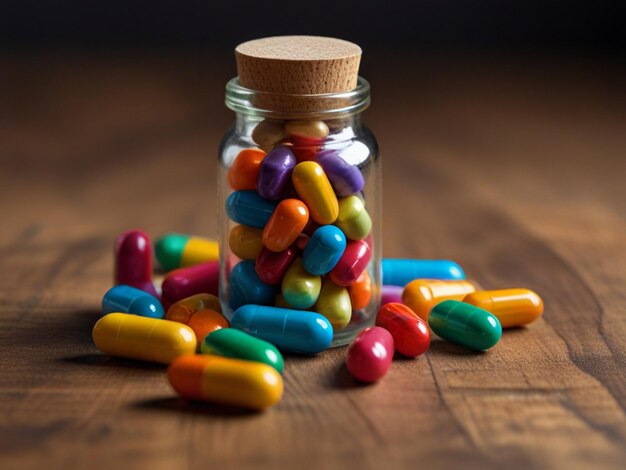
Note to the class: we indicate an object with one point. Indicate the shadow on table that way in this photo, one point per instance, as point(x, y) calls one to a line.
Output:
point(179, 405)
point(101, 360)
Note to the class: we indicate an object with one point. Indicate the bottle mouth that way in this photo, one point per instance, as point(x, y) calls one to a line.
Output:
point(287, 106)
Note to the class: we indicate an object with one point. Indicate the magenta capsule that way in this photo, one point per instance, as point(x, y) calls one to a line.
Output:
point(352, 263)
point(133, 261)
point(181, 283)
point(370, 354)
point(271, 266)
point(391, 294)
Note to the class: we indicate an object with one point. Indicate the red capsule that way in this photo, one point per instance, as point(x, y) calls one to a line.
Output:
point(133, 261)
point(271, 266)
point(352, 263)
point(370, 354)
point(181, 283)
point(410, 333)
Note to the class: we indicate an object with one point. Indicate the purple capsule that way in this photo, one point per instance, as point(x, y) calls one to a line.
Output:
point(391, 294)
point(275, 173)
point(346, 179)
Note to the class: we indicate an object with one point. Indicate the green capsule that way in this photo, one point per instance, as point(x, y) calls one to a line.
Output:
point(465, 324)
point(353, 219)
point(229, 342)
point(334, 303)
point(300, 288)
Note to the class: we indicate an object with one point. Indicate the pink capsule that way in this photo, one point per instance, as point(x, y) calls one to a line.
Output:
point(370, 354)
point(352, 263)
point(133, 261)
point(181, 283)
point(271, 266)
point(391, 295)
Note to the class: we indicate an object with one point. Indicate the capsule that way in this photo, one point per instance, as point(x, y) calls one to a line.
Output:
point(399, 272)
point(512, 307)
point(271, 266)
point(176, 250)
point(243, 173)
point(184, 282)
point(229, 342)
point(421, 294)
point(247, 288)
point(300, 288)
point(361, 292)
point(324, 250)
point(391, 294)
point(315, 190)
point(465, 324)
point(334, 303)
point(204, 322)
point(275, 173)
point(307, 131)
point(128, 299)
point(285, 224)
point(133, 261)
point(289, 330)
point(268, 133)
point(410, 333)
point(182, 310)
point(352, 263)
point(145, 339)
point(353, 218)
point(245, 242)
point(248, 208)
point(346, 179)
point(369, 356)
point(226, 381)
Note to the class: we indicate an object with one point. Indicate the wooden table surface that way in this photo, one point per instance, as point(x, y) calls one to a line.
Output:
point(514, 169)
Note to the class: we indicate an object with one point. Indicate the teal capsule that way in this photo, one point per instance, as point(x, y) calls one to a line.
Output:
point(229, 342)
point(300, 288)
point(127, 299)
point(465, 324)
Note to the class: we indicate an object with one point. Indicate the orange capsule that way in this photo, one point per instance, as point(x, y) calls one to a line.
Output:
point(421, 295)
point(244, 171)
point(286, 223)
point(182, 310)
point(513, 307)
point(206, 321)
point(361, 291)
point(245, 242)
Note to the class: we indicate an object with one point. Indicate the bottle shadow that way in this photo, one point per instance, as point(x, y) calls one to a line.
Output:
point(180, 405)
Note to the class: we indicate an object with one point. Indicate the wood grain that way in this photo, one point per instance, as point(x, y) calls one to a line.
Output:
point(515, 170)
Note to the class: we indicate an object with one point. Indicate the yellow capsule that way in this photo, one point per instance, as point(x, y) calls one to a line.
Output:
point(421, 295)
point(334, 303)
point(513, 307)
point(143, 338)
point(198, 250)
point(227, 381)
point(353, 219)
point(313, 187)
point(309, 130)
point(246, 242)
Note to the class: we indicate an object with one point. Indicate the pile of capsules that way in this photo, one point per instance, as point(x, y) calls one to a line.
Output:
point(240, 363)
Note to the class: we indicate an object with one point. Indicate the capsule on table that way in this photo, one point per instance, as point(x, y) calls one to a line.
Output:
point(176, 250)
point(353, 218)
point(421, 294)
point(271, 266)
point(229, 342)
point(399, 272)
point(145, 339)
point(369, 356)
point(334, 303)
point(204, 322)
point(391, 294)
point(275, 173)
point(285, 224)
point(410, 333)
point(248, 208)
point(268, 133)
point(181, 283)
point(315, 190)
point(465, 324)
point(133, 261)
point(300, 288)
point(245, 242)
point(352, 263)
point(289, 330)
point(512, 307)
point(128, 299)
point(247, 288)
point(346, 179)
point(361, 292)
point(225, 381)
point(182, 310)
point(244, 171)
point(324, 250)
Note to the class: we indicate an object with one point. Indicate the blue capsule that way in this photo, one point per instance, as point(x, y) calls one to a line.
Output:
point(127, 299)
point(289, 330)
point(324, 250)
point(399, 272)
point(248, 208)
point(247, 288)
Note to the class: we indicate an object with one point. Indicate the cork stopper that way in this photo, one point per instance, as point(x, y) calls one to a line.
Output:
point(284, 67)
